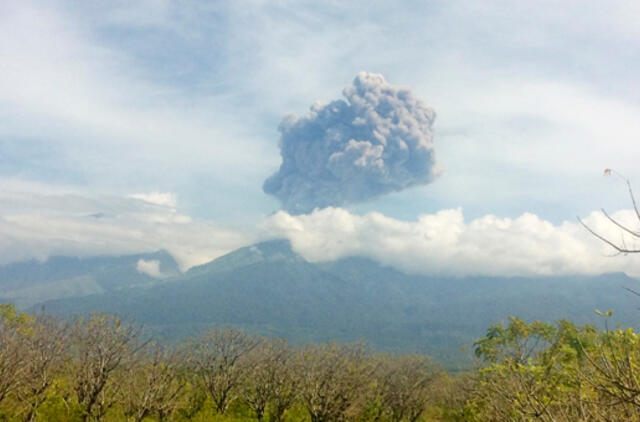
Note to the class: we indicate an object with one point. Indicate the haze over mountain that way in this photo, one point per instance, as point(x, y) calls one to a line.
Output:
point(31, 282)
point(267, 288)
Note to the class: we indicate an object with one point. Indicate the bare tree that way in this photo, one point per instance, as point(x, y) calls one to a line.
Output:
point(332, 380)
point(404, 386)
point(216, 360)
point(453, 393)
point(285, 382)
point(13, 355)
point(193, 402)
point(101, 345)
point(153, 386)
point(620, 246)
point(47, 343)
point(270, 379)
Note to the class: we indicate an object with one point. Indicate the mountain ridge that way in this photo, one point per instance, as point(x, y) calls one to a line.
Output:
point(269, 289)
point(29, 283)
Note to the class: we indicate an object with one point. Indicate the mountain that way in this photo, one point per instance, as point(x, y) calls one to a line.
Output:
point(28, 283)
point(269, 289)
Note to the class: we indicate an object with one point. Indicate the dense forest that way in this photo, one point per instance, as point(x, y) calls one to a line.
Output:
point(101, 368)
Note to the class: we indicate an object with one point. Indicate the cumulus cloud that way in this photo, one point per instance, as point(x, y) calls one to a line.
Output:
point(37, 221)
point(150, 268)
point(445, 244)
point(377, 141)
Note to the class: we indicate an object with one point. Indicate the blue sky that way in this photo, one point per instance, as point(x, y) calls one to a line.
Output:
point(105, 100)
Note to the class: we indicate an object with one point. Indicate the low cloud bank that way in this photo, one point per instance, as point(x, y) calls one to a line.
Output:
point(445, 244)
point(38, 225)
point(378, 141)
point(38, 222)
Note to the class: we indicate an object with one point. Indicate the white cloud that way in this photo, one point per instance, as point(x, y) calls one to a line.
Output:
point(36, 224)
point(37, 221)
point(166, 199)
point(121, 114)
point(526, 113)
point(150, 268)
point(445, 244)
point(61, 82)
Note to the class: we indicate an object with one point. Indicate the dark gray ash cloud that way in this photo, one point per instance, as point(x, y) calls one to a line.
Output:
point(377, 141)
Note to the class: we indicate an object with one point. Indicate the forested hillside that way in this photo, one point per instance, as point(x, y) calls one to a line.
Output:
point(268, 289)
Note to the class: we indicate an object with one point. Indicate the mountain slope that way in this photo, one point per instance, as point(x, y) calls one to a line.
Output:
point(269, 289)
point(32, 282)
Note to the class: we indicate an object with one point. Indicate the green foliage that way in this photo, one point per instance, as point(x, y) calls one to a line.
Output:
point(9, 316)
point(560, 372)
point(529, 371)
point(518, 341)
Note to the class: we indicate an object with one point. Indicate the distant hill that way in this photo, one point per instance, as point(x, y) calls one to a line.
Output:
point(269, 289)
point(30, 283)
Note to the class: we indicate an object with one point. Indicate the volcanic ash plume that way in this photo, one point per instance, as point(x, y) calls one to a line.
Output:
point(377, 141)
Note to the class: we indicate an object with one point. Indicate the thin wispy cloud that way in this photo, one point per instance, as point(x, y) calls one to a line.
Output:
point(65, 86)
point(35, 224)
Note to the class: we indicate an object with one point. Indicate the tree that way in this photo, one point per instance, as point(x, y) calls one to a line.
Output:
point(332, 379)
point(404, 383)
point(285, 383)
point(13, 351)
point(101, 346)
point(216, 359)
point(621, 246)
point(614, 358)
point(153, 386)
point(517, 342)
point(558, 380)
point(270, 380)
point(46, 348)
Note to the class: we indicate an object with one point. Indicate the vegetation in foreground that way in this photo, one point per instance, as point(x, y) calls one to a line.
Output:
point(100, 369)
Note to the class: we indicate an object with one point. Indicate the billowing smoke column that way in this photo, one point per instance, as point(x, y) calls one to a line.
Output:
point(378, 141)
